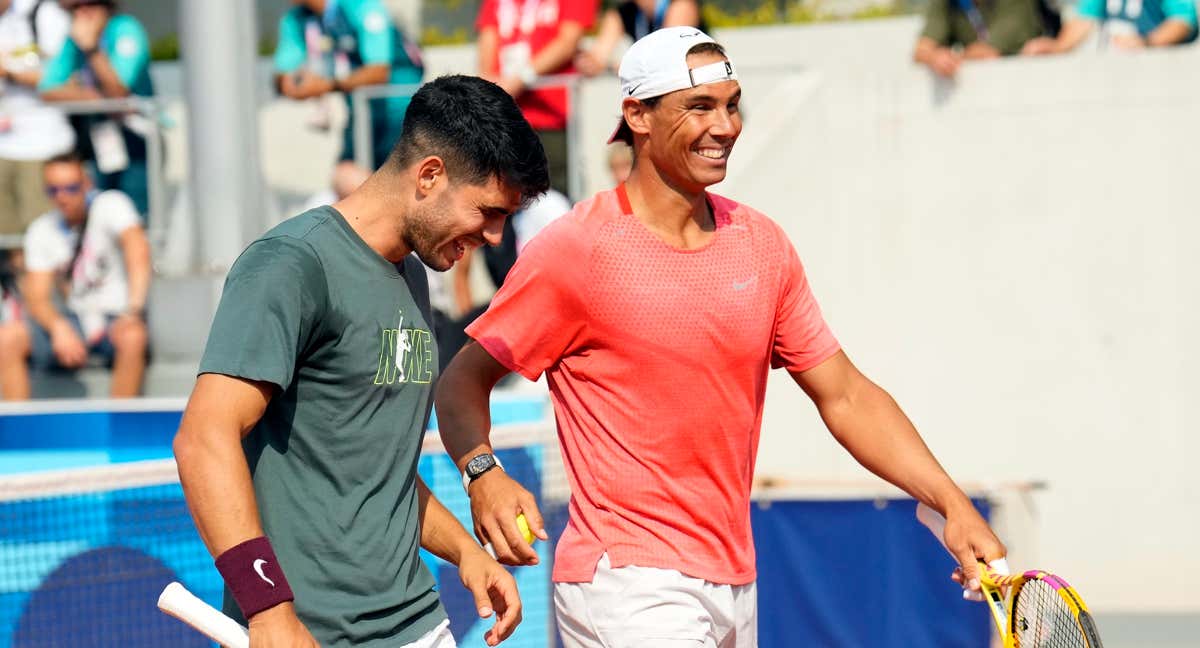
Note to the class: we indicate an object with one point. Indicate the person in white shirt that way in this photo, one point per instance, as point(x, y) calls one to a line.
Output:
point(31, 31)
point(91, 251)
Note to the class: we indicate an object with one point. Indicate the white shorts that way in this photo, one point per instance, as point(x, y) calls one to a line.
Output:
point(439, 637)
point(644, 607)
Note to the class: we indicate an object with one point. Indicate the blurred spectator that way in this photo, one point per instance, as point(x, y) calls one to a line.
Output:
point(30, 132)
point(519, 229)
point(347, 176)
point(1126, 24)
point(521, 40)
point(635, 19)
point(620, 161)
point(90, 251)
point(958, 30)
point(339, 45)
point(107, 55)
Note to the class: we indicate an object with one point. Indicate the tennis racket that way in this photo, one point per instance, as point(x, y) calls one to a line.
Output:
point(178, 602)
point(1040, 611)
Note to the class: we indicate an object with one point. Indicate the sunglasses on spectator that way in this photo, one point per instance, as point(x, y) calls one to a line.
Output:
point(70, 189)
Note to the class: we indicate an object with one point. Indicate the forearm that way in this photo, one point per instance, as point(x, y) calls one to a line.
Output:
point(464, 417)
point(1171, 32)
point(137, 269)
point(72, 92)
point(876, 432)
point(27, 78)
point(488, 46)
point(106, 76)
point(1073, 33)
point(558, 52)
point(364, 76)
point(441, 533)
point(38, 291)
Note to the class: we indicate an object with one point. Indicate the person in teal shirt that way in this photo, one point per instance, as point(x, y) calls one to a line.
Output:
point(1127, 24)
point(340, 45)
point(106, 55)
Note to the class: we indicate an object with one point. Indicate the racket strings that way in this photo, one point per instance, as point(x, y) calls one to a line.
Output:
point(1042, 619)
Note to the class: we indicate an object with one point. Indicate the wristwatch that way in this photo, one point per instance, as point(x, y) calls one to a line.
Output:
point(478, 465)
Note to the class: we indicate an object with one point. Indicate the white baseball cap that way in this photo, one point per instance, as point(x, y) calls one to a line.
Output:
point(657, 64)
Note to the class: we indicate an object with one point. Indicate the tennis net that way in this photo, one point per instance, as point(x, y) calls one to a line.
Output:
point(85, 552)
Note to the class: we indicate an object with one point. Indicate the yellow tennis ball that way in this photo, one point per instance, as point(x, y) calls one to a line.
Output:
point(523, 527)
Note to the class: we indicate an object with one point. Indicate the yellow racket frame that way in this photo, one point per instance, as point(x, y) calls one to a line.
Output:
point(1004, 612)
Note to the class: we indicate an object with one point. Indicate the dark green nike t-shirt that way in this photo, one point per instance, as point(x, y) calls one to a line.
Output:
point(345, 335)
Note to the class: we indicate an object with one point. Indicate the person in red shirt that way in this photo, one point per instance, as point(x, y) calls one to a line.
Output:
point(522, 40)
point(656, 311)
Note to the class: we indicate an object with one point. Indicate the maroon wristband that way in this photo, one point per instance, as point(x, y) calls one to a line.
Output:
point(254, 577)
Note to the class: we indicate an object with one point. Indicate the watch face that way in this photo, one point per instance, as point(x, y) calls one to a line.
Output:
point(479, 464)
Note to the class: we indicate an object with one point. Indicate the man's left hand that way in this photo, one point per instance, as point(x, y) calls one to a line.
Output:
point(494, 589)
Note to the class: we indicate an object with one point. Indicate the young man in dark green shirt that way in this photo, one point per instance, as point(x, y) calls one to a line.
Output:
point(306, 421)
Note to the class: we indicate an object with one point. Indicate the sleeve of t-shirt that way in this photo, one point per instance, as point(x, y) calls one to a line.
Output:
point(129, 49)
point(487, 15)
point(537, 317)
point(291, 50)
point(1093, 9)
point(802, 338)
point(1184, 10)
point(937, 22)
point(580, 11)
point(40, 253)
point(115, 212)
point(59, 69)
point(376, 33)
point(269, 310)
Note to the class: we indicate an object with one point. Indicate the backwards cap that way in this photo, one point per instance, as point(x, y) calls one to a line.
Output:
point(657, 64)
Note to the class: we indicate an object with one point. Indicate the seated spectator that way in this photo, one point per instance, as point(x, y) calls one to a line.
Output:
point(107, 55)
point(340, 45)
point(522, 40)
point(635, 19)
point(30, 131)
point(89, 251)
point(1126, 25)
point(958, 30)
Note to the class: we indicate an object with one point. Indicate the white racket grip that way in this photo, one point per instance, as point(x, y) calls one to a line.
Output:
point(178, 602)
point(937, 526)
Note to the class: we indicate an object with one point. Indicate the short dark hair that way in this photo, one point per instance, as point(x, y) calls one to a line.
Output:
point(70, 157)
point(477, 130)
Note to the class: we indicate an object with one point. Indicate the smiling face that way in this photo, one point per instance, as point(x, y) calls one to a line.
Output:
point(66, 186)
point(456, 217)
point(692, 132)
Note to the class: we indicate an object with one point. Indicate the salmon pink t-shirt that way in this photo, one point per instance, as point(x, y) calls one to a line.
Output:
point(657, 362)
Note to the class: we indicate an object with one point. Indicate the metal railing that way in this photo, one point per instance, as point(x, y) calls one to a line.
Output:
point(364, 152)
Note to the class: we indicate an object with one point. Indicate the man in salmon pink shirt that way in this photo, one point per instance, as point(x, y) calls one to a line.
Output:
point(655, 311)
point(523, 40)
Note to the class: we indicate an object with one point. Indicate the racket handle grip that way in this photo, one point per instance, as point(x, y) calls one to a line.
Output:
point(178, 602)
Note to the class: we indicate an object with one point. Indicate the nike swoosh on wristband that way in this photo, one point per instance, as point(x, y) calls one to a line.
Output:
point(258, 568)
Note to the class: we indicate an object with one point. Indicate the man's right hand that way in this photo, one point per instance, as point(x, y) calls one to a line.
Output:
point(68, 347)
point(279, 627)
point(305, 85)
point(944, 62)
point(496, 499)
